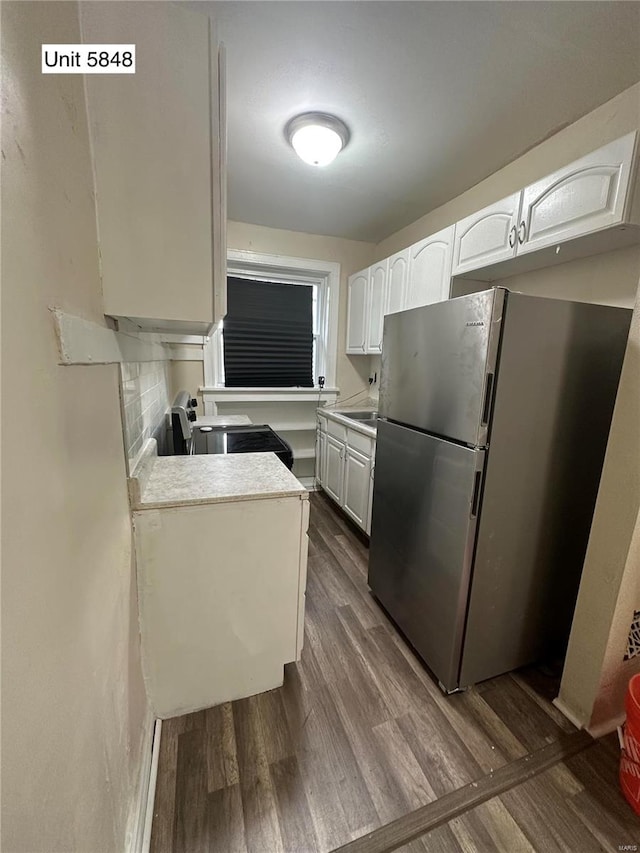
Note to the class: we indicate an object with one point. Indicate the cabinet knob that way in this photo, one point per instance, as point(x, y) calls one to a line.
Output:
point(512, 236)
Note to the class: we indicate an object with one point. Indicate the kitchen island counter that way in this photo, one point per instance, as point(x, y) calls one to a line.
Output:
point(221, 557)
point(217, 478)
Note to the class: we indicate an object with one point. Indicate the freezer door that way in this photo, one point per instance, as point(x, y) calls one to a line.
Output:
point(438, 365)
point(425, 500)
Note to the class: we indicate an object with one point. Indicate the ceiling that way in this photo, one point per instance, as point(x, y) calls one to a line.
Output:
point(437, 96)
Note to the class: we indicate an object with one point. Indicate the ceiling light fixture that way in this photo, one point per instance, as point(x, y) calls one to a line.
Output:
point(317, 138)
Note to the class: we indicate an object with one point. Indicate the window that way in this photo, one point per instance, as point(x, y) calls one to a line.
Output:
point(322, 278)
point(267, 334)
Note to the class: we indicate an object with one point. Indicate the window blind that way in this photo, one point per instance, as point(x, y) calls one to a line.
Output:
point(268, 335)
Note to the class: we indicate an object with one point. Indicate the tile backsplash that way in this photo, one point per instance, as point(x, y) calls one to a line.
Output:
point(145, 402)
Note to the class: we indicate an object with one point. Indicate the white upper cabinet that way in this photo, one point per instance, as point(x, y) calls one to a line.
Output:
point(397, 281)
point(587, 207)
point(430, 269)
point(488, 236)
point(376, 299)
point(582, 209)
point(357, 297)
point(585, 196)
point(158, 147)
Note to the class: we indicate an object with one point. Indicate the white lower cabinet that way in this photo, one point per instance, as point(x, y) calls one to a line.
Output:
point(370, 510)
point(344, 468)
point(221, 622)
point(357, 469)
point(334, 469)
point(321, 455)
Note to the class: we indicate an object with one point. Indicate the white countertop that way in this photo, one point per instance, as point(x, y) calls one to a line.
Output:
point(342, 416)
point(216, 478)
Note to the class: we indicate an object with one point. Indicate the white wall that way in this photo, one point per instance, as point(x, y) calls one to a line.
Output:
point(595, 675)
point(616, 671)
point(607, 279)
point(73, 701)
point(187, 376)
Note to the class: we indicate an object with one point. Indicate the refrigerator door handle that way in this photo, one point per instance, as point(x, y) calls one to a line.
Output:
point(475, 500)
point(488, 391)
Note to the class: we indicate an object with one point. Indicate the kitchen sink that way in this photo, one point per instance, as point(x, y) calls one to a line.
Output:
point(361, 416)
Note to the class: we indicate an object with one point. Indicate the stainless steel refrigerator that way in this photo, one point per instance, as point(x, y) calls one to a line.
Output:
point(494, 416)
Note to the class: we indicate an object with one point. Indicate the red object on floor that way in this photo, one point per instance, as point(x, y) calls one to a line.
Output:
point(632, 705)
point(630, 756)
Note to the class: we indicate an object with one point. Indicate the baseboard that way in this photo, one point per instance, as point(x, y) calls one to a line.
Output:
point(139, 835)
point(568, 713)
point(309, 483)
point(606, 727)
point(596, 731)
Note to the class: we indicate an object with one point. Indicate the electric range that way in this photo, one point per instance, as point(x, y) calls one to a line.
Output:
point(191, 438)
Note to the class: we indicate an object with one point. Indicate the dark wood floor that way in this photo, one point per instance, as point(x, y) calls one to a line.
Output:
point(360, 735)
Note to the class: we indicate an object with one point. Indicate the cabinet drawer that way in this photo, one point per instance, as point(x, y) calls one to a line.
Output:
point(358, 441)
point(337, 430)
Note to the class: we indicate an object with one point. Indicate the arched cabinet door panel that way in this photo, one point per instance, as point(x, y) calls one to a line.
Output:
point(397, 281)
point(357, 290)
point(486, 237)
point(430, 269)
point(377, 298)
point(585, 196)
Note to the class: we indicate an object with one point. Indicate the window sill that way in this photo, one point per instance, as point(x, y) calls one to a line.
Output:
point(245, 395)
